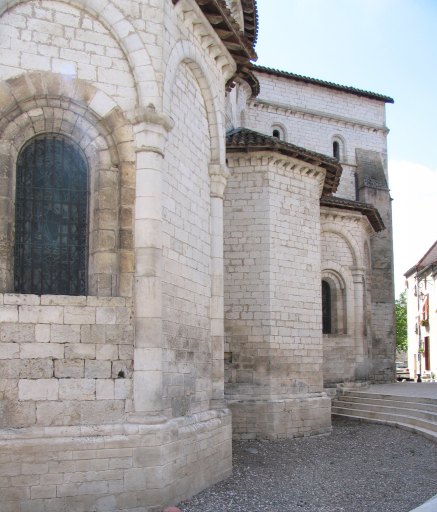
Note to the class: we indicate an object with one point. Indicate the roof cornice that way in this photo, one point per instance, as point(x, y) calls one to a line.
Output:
point(243, 140)
point(236, 42)
point(366, 209)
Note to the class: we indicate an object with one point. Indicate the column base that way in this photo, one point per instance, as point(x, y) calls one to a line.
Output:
point(123, 467)
point(297, 416)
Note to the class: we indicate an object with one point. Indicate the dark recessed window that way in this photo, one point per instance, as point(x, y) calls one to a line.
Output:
point(276, 134)
point(336, 150)
point(50, 254)
point(326, 308)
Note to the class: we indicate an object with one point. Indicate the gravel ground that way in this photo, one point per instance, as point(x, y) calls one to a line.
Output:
point(360, 467)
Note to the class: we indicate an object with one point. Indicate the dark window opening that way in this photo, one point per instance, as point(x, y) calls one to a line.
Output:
point(50, 254)
point(336, 150)
point(326, 308)
point(277, 134)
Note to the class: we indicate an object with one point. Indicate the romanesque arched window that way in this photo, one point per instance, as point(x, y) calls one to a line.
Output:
point(336, 149)
point(326, 308)
point(51, 217)
point(278, 131)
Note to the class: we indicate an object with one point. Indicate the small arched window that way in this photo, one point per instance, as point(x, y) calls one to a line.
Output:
point(276, 134)
point(326, 308)
point(336, 149)
point(51, 218)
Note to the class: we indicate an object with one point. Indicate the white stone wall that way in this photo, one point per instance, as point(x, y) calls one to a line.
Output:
point(54, 36)
point(187, 251)
point(272, 298)
point(110, 75)
point(344, 264)
point(121, 467)
point(65, 360)
point(313, 116)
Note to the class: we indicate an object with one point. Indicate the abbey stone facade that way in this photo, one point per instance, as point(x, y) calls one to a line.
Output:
point(192, 248)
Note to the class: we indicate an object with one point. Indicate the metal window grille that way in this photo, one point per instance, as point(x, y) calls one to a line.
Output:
point(51, 207)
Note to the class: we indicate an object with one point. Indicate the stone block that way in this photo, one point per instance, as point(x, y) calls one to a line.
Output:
point(41, 350)
point(102, 412)
point(92, 334)
point(122, 389)
point(58, 413)
point(9, 350)
point(14, 414)
point(97, 369)
point(41, 389)
point(63, 300)
point(21, 299)
point(106, 315)
point(107, 352)
point(65, 334)
point(41, 314)
point(8, 313)
point(79, 315)
point(42, 491)
point(80, 351)
point(42, 333)
point(120, 334)
point(105, 389)
point(77, 389)
point(122, 369)
point(69, 368)
point(36, 368)
point(11, 332)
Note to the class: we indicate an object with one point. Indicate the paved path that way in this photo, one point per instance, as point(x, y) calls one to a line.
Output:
point(415, 389)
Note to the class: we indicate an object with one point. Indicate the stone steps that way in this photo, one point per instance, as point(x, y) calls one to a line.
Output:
point(411, 413)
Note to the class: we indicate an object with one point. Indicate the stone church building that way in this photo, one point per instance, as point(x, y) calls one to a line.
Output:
point(192, 248)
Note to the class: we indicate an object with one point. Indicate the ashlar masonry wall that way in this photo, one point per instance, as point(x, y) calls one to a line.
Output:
point(272, 298)
point(89, 418)
point(345, 266)
point(313, 116)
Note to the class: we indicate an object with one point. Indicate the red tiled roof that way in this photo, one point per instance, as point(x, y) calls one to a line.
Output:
point(245, 140)
point(323, 83)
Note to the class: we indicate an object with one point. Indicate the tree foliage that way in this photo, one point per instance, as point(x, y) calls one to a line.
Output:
point(401, 322)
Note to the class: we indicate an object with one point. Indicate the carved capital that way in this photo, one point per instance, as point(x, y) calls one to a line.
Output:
point(150, 115)
point(219, 175)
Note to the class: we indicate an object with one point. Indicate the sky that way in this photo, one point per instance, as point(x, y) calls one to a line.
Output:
point(383, 46)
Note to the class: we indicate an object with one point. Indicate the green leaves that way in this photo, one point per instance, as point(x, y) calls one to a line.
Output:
point(401, 322)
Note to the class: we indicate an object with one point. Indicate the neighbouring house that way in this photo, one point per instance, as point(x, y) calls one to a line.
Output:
point(422, 316)
point(192, 248)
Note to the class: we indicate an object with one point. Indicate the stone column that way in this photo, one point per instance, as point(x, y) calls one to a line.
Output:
point(218, 176)
point(7, 158)
point(150, 136)
point(360, 349)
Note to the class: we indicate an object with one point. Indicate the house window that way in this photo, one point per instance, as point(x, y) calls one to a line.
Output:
point(326, 308)
point(336, 149)
point(51, 210)
point(277, 134)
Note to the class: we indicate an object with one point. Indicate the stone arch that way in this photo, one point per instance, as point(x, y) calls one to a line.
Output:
point(347, 238)
point(39, 103)
point(186, 52)
point(281, 129)
point(340, 290)
point(341, 145)
point(127, 38)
